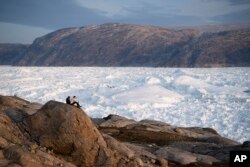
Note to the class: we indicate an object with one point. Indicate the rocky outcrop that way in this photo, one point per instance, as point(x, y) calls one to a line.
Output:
point(16, 146)
point(184, 157)
point(160, 143)
point(114, 44)
point(157, 132)
point(57, 134)
point(69, 132)
point(54, 134)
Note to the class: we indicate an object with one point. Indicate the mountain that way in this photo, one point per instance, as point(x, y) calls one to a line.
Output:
point(107, 45)
point(114, 44)
point(10, 53)
point(228, 48)
point(217, 27)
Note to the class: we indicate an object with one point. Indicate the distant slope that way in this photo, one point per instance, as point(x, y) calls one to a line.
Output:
point(136, 45)
point(107, 45)
point(10, 53)
point(228, 48)
point(217, 27)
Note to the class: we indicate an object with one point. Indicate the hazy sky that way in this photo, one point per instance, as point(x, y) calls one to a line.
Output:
point(23, 20)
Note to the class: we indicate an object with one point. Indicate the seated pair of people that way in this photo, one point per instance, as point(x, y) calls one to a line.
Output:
point(73, 101)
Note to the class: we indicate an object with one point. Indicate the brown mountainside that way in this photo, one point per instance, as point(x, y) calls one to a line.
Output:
point(10, 53)
point(115, 44)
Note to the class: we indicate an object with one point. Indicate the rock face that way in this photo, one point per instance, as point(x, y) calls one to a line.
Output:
point(160, 143)
point(69, 132)
point(158, 132)
point(10, 53)
point(16, 147)
point(115, 44)
point(228, 48)
point(57, 134)
point(106, 45)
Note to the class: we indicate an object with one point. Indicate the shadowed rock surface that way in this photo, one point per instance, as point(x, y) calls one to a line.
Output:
point(10, 53)
point(57, 134)
point(115, 44)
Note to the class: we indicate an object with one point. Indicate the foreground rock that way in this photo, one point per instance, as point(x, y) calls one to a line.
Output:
point(58, 134)
point(148, 131)
point(60, 131)
point(69, 132)
point(16, 147)
point(154, 141)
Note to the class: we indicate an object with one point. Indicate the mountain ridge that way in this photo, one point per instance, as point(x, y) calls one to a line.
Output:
point(114, 44)
point(10, 53)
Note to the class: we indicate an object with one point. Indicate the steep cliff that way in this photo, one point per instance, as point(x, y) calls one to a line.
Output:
point(136, 45)
point(10, 53)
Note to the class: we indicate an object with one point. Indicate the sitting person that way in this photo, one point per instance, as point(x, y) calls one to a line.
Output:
point(73, 101)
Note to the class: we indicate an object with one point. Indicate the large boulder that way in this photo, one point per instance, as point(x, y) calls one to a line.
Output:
point(64, 129)
point(69, 132)
point(15, 148)
point(9, 132)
